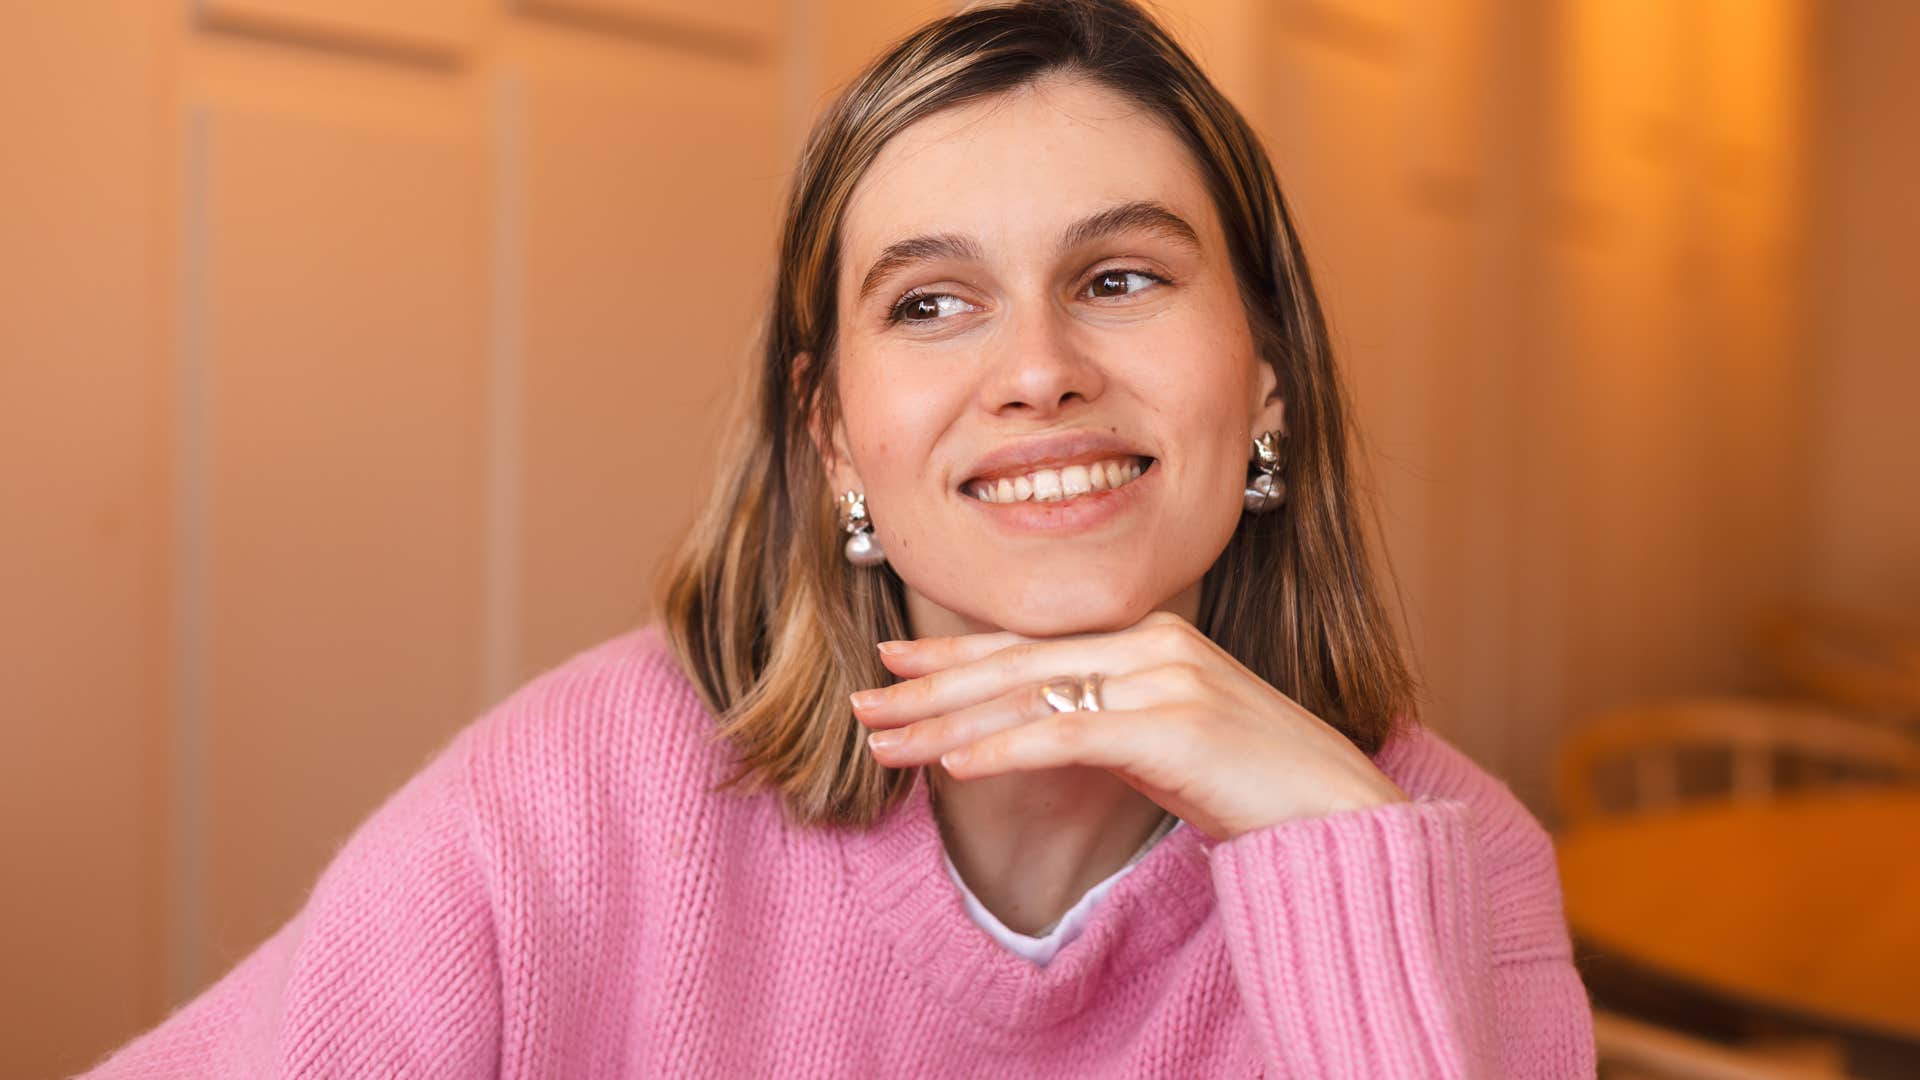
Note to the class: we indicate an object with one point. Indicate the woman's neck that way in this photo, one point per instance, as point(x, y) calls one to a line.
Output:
point(1030, 844)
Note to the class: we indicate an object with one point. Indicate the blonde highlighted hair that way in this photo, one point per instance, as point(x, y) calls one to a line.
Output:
point(775, 628)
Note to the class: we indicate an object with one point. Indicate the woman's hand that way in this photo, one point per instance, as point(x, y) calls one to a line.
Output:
point(1182, 722)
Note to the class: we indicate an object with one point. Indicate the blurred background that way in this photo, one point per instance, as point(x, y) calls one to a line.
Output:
point(360, 360)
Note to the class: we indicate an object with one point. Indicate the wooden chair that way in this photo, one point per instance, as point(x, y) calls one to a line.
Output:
point(1759, 738)
point(1859, 662)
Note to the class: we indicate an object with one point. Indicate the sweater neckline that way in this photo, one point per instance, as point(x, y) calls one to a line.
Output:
point(897, 868)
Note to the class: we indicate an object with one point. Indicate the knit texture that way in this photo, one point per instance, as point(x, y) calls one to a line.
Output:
point(559, 893)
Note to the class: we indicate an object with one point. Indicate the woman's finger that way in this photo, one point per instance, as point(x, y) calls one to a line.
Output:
point(918, 742)
point(922, 741)
point(914, 657)
point(1120, 740)
point(1021, 663)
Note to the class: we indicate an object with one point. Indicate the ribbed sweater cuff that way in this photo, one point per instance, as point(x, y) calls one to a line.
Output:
point(1359, 940)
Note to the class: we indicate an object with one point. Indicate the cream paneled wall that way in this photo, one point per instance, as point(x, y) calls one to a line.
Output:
point(1557, 243)
point(431, 357)
point(83, 508)
point(359, 360)
point(1667, 346)
point(1386, 130)
point(332, 490)
point(1866, 454)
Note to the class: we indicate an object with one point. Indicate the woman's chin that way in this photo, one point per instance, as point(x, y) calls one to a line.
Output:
point(1043, 604)
point(1055, 612)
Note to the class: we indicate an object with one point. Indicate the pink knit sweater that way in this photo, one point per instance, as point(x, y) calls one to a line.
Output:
point(558, 894)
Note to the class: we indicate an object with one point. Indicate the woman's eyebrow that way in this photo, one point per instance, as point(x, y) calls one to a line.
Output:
point(1141, 215)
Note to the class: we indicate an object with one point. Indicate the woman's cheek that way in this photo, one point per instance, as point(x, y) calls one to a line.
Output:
point(900, 421)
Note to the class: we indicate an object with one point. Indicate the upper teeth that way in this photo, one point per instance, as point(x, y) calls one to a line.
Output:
point(1052, 485)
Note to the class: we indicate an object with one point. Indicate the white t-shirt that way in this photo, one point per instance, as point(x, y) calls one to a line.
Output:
point(1041, 949)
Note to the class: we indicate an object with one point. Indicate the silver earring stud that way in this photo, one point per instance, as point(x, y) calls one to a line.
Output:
point(1266, 491)
point(862, 548)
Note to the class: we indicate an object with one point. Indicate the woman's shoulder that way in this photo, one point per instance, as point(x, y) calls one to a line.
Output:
point(617, 715)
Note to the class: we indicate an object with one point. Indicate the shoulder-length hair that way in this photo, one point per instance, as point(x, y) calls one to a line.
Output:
point(776, 629)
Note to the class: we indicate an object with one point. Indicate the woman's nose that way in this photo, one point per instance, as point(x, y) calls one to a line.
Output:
point(1038, 366)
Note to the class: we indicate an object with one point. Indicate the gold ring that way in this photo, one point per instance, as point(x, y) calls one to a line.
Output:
point(1061, 695)
point(1073, 693)
point(1090, 692)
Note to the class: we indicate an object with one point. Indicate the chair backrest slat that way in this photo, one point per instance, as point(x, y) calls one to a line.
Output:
point(1754, 733)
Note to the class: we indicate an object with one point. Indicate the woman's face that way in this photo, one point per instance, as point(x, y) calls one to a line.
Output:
point(1036, 305)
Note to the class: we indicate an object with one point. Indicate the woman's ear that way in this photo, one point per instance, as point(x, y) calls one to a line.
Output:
point(829, 441)
point(1270, 410)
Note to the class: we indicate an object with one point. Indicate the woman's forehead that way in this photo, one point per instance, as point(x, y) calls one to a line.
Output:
point(1017, 170)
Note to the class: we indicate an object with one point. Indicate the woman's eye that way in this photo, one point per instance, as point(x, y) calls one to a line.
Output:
point(1114, 282)
point(927, 307)
point(923, 304)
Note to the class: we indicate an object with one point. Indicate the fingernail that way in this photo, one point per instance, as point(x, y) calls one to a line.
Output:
point(865, 699)
point(953, 757)
point(894, 648)
point(885, 740)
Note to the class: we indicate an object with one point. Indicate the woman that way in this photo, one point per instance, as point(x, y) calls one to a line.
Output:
point(1143, 792)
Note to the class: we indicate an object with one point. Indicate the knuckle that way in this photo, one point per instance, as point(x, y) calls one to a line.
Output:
point(1015, 657)
point(921, 689)
point(1181, 678)
point(1174, 636)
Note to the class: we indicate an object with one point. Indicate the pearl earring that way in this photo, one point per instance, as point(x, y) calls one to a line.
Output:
point(862, 549)
point(1266, 491)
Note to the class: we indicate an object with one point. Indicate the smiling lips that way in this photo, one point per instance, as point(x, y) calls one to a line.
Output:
point(1052, 485)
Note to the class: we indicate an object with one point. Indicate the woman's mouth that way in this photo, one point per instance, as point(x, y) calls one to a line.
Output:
point(1056, 485)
